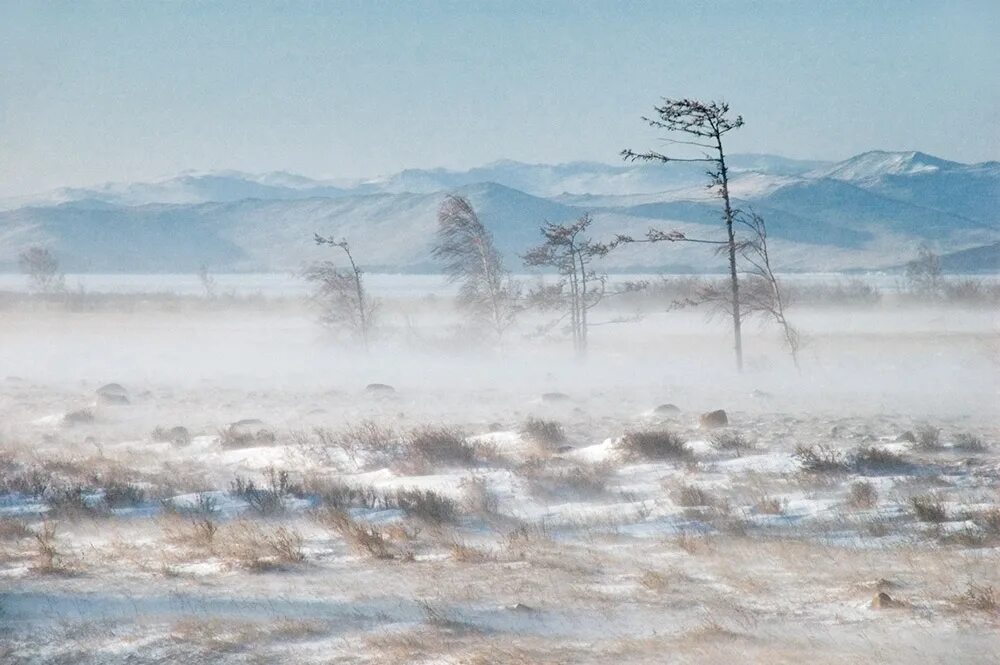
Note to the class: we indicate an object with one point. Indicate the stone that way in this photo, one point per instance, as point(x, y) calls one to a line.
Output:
point(713, 419)
point(882, 601)
point(112, 393)
point(667, 410)
point(379, 388)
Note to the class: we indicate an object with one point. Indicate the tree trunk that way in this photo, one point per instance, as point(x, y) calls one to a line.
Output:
point(734, 280)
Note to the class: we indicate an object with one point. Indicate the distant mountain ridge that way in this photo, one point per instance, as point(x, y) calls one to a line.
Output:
point(871, 211)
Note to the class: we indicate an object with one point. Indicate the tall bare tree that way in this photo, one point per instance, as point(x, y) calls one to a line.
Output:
point(704, 124)
point(342, 293)
point(465, 247)
point(569, 250)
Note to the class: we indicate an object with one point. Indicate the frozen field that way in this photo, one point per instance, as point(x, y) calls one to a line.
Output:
point(242, 497)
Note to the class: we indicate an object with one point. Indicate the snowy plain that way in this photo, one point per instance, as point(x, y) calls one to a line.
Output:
point(544, 537)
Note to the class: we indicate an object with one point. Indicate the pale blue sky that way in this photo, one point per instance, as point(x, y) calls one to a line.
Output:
point(97, 91)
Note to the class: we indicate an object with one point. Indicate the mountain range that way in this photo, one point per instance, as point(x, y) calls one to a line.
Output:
point(869, 212)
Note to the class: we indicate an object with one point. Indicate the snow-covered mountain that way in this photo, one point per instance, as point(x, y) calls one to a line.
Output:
point(870, 211)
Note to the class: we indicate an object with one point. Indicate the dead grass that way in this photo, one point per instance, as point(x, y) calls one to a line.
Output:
point(929, 509)
point(365, 539)
point(982, 598)
point(260, 548)
point(48, 559)
point(547, 434)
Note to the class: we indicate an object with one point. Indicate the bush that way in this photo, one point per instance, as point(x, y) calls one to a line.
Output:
point(179, 436)
point(928, 438)
point(769, 505)
point(71, 501)
point(988, 520)
point(365, 539)
point(970, 443)
point(427, 505)
point(690, 496)
point(863, 495)
point(871, 458)
point(123, 494)
point(982, 598)
point(929, 509)
point(544, 432)
point(48, 558)
point(819, 459)
point(265, 500)
point(441, 445)
point(654, 445)
point(341, 496)
point(562, 479)
point(257, 549)
point(241, 435)
point(731, 440)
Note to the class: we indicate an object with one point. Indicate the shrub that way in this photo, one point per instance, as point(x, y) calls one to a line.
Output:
point(13, 529)
point(819, 459)
point(928, 438)
point(119, 494)
point(266, 501)
point(544, 432)
point(365, 539)
point(970, 443)
point(564, 479)
point(769, 505)
point(988, 520)
point(731, 440)
point(862, 495)
point(427, 505)
point(478, 498)
point(47, 556)
point(872, 458)
point(982, 598)
point(71, 501)
point(257, 549)
point(176, 435)
point(441, 445)
point(691, 496)
point(369, 436)
point(197, 532)
point(242, 435)
point(929, 509)
point(654, 445)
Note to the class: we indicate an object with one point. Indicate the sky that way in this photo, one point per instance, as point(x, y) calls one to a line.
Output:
point(106, 91)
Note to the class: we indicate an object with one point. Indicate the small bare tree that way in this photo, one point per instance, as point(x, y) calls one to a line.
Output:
point(923, 274)
point(763, 294)
point(42, 269)
point(465, 246)
point(341, 293)
point(207, 281)
point(705, 124)
point(569, 250)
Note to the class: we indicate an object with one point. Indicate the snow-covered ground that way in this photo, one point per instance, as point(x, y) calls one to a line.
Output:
point(497, 506)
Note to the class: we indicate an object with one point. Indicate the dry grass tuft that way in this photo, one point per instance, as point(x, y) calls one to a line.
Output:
point(929, 509)
point(366, 539)
point(254, 547)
